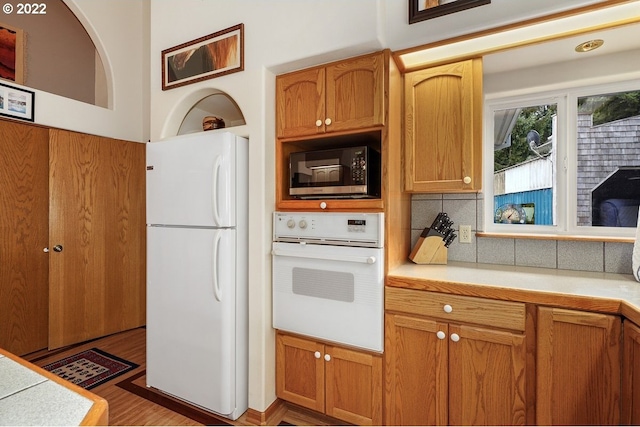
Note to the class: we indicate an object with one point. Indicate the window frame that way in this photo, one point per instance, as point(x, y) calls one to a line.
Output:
point(566, 166)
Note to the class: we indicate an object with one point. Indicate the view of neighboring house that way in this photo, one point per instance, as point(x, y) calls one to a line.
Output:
point(608, 176)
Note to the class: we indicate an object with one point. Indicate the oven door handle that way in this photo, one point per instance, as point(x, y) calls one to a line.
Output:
point(360, 259)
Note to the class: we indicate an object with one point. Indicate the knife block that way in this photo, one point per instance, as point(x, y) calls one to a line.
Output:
point(429, 250)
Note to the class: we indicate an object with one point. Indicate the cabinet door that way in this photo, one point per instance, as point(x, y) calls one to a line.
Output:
point(486, 376)
point(578, 368)
point(300, 371)
point(355, 93)
point(24, 222)
point(300, 103)
point(443, 128)
point(631, 375)
point(97, 216)
point(416, 371)
point(353, 383)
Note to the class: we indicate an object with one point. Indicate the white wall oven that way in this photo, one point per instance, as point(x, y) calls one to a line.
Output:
point(328, 276)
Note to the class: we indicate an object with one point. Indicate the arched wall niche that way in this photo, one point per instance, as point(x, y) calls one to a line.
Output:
point(187, 116)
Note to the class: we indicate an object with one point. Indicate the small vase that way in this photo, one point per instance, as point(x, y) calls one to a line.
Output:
point(212, 122)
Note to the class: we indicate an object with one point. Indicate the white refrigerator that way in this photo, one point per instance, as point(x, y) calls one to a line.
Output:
point(197, 296)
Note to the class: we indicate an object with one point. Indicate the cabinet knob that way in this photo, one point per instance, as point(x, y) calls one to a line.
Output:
point(317, 354)
point(467, 180)
point(455, 337)
point(45, 250)
point(323, 205)
point(327, 122)
point(318, 123)
point(57, 248)
point(441, 335)
point(327, 357)
point(447, 308)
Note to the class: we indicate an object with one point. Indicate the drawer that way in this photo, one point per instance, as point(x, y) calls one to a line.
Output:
point(481, 311)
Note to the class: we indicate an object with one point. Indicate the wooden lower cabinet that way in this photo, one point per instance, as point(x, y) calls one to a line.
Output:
point(440, 373)
point(339, 382)
point(578, 368)
point(630, 411)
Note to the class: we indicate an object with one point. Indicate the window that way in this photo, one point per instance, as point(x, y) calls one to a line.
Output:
point(566, 162)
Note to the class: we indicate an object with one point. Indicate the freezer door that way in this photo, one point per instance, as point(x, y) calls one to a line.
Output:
point(191, 180)
point(191, 327)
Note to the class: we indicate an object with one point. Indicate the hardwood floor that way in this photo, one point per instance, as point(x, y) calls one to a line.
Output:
point(128, 408)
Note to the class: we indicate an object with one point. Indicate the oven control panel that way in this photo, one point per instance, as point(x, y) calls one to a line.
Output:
point(341, 228)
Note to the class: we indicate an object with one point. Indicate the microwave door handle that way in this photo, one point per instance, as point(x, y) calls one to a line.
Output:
point(358, 259)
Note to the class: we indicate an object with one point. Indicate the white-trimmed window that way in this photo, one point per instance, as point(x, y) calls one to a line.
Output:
point(564, 162)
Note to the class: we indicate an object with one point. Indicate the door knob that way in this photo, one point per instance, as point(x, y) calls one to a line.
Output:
point(57, 248)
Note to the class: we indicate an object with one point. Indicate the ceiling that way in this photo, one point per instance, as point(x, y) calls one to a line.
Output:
point(620, 39)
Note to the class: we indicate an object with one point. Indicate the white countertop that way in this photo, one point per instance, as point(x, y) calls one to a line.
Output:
point(28, 398)
point(619, 287)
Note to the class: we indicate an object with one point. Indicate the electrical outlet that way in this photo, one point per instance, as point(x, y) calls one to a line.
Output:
point(465, 234)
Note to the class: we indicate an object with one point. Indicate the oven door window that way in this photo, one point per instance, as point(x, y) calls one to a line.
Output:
point(311, 282)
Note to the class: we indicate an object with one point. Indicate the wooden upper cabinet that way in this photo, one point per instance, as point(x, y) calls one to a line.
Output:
point(443, 128)
point(577, 368)
point(300, 103)
point(355, 93)
point(340, 96)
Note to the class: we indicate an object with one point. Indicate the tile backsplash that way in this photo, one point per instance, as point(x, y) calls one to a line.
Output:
point(467, 209)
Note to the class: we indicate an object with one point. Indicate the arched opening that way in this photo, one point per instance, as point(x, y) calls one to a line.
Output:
point(217, 104)
point(58, 56)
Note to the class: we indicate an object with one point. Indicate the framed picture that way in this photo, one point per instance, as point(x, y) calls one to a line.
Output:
point(17, 103)
point(11, 54)
point(420, 10)
point(210, 56)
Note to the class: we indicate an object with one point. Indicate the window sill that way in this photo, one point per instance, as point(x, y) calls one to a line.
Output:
point(557, 237)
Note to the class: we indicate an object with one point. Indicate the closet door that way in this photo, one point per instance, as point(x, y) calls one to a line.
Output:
point(96, 235)
point(23, 236)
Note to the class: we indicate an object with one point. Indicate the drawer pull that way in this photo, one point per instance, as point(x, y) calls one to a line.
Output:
point(447, 308)
point(441, 335)
point(455, 337)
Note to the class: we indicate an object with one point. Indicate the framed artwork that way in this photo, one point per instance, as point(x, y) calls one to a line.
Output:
point(11, 54)
point(210, 56)
point(420, 10)
point(16, 102)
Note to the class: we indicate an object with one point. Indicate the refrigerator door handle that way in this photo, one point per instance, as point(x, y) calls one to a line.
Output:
point(217, 164)
point(214, 270)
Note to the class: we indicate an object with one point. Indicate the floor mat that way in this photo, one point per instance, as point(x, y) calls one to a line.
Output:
point(90, 368)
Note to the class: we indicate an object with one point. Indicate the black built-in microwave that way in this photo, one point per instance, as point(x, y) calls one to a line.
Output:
point(347, 172)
